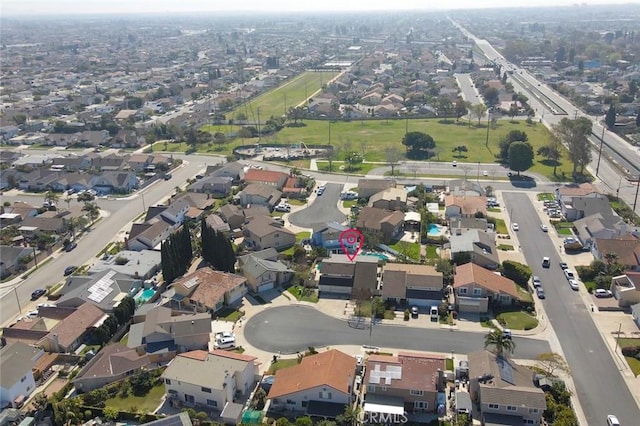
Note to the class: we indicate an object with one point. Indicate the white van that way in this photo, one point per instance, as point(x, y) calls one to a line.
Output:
point(225, 343)
point(434, 312)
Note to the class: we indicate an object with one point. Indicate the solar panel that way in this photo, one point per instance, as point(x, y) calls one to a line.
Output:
point(102, 288)
point(193, 281)
point(506, 370)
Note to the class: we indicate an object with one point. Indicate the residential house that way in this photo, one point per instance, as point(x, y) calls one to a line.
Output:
point(43, 224)
point(161, 334)
point(21, 208)
point(476, 245)
point(580, 190)
point(216, 223)
point(478, 289)
point(504, 390)
point(260, 194)
point(387, 224)
point(266, 177)
point(11, 258)
point(217, 186)
point(626, 250)
point(465, 188)
point(368, 187)
point(17, 361)
point(406, 383)
point(416, 285)
point(328, 236)
point(635, 314)
point(207, 290)
point(127, 139)
point(179, 419)
point(120, 182)
point(263, 270)
point(626, 289)
point(574, 208)
point(214, 380)
point(262, 232)
point(320, 385)
point(341, 276)
point(234, 170)
point(597, 226)
point(233, 215)
point(160, 222)
point(146, 162)
point(459, 225)
point(104, 289)
point(142, 264)
point(57, 329)
point(466, 206)
point(72, 163)
point(112, 363)
point(389, 199)
point(94, 137)
point(293, 188)
point(110, 162)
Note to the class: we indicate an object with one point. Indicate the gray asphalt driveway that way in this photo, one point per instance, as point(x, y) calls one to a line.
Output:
point(290, 329)
point(324, 209)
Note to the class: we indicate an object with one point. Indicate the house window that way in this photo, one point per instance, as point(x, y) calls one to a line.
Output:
point(189, 398)
point(325, 395)
point(277, 235)
point(371, 388)
point(529, 422)
point(305, 403)
point(291, 402)
point(494, 406)
point(512, 408)
point(383, 388)
point(205, 390)
point(420, 405)
point(414, 392)
point(167, 381)
point(505, 297)
point(533, 411)
point(477, 291)
point(462, 290)
point(23, 379)
point(212, 403)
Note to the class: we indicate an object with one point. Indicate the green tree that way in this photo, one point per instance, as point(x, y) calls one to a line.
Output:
point(111, 413)
point(418, 144)
point(574, 134)
point(551, 152)
point(520, 156)
point(19, 119)
point(141, 383)
point(517, 272)
point(507, 140)
point(513, 111)
point(552, 362)
point(491, 95)
point(499, 342)
point(478, 111)
point(445, 107)
point(350, 416)
point(352, 160)
point(393, 158)
point(461, 108)
point(304, 421)
point(460, 149)
point(93, 211)
point(610, 118)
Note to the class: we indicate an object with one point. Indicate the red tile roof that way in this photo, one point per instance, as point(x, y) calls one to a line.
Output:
point(470, 273)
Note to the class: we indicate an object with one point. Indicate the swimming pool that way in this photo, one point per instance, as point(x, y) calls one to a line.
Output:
point(434, 230)
point(145, 295)
point(380, 256)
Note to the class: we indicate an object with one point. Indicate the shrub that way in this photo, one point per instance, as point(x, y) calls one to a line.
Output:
point(631, 351)
point(406, 314)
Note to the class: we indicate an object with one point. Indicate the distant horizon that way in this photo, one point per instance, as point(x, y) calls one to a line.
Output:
point(60, 8)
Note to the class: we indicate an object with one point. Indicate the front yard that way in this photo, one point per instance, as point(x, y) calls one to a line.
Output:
point(304, 294)
point(634, 362)
point(517, 320)
point(282, 363)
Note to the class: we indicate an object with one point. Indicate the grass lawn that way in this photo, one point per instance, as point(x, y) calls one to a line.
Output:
point(486, 322)
point(296, 202)
point(302, 236)
point(634, 363)
point(505, 247)
point(125, 339)
point(282, 363)
point(410, 250)
point(363, 309)
point(340, 167)
point(589, 285)
point(290, 94)
point(494, 210)
point(518, 320)
point(232, 316)
point(97, 347)
point(501, 227)
point(546, 196)
point(564, 231)
point(347, 204)
point(432, 252)
point(526, 296)
point(299, 293)
point(144, 404)
point(448, 364)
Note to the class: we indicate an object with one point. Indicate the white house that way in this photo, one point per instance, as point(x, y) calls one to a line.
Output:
point(17, 360)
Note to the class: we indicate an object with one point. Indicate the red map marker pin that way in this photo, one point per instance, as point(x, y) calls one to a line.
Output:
point(351, 241)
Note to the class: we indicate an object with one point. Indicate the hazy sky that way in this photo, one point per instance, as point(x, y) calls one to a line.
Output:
point(62, 7)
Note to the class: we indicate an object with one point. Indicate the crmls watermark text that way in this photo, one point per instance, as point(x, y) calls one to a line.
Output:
point(384, 418)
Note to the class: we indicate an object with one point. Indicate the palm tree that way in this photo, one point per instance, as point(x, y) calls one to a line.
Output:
point(92, 210)
point(350, 416)
point(51, 198)
point(500, 342)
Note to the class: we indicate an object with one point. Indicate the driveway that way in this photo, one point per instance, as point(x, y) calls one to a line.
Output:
point(273, 330)
point(323, 209)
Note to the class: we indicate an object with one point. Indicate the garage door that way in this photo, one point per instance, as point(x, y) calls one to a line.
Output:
point(265, 287)
point(424, 302)
point(469, 305)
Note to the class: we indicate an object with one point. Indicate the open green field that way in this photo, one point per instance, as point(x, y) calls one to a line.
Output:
point(276, 102)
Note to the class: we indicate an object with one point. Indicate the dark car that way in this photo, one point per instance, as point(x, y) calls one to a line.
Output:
point(540, 293)
point(167, 176)
point(38, 293)
point(69, 270)
point(70, 246)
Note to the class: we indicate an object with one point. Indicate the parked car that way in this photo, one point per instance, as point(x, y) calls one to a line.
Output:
point(167, 176)
point(601, 292)
point(69, 270)
point(569, 274)
point(38, 293)
point(414, 311)
point(515, 226)
point(540, 293)
point(544, 228)
point(574, 284)
point(283, 207)
point(70, 247)
point(536, 281)
point(506, 333)
point(564, 265)
point(32, 314)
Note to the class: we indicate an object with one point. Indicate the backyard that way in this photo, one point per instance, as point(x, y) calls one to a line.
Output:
point(144, 404)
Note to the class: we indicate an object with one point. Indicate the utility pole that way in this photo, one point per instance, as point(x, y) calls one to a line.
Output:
point(15, 290)
point(488, 125)
point(35, 257)
point(635, 200)
point(259, 133)
point(600, 151)
point(618, 337)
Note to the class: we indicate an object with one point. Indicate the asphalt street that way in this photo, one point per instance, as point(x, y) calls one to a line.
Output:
point(467, 88)
point(291, 329)
point(323, 209)
point(601, 389)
